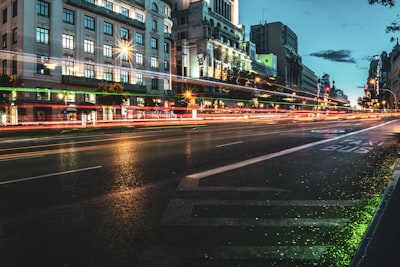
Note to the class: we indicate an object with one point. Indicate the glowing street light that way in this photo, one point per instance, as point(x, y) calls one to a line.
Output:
point(124, 49)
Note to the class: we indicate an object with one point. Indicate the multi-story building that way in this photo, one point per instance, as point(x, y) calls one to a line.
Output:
point(209, 42)
point(280, 40)
point(77, 44)
point(309, 82)
point(394, 76)
point(378, 92)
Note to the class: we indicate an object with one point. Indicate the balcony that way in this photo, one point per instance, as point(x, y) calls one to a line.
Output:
point(107, 13)
point(169, 36)
point(83, 81)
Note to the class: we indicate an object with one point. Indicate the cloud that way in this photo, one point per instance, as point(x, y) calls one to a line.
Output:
point(337, 56)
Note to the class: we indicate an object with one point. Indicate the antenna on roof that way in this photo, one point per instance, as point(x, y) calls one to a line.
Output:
point(262, 15)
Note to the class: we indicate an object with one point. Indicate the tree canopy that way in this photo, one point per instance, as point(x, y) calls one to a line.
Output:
point(113, 93)
point(395, 26)
point(390, 3)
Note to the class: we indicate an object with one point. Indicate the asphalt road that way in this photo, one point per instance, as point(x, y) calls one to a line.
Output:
point(246, 194)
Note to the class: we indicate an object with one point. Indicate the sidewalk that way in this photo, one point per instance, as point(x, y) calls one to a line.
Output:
point(381, 244)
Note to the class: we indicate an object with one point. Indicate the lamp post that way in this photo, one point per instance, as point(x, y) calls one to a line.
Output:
point(376, 87)
point(318, 93)
point(394, 96)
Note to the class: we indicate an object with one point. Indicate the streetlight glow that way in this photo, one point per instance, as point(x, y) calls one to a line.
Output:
point(124, 48)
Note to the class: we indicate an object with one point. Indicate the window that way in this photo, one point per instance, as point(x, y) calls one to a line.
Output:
point(166, 28)
point(125, 12)
point(125, 57)
point(167, 11)
point(154, 62)
point(139, 17)
point(42, 64)
point(108, 75)
point(4, 41)
point(154, 7)
point(183, 20)
point(15, 8)
point(108, 28)
point(182, 35)
point(68, 16)
point(15, 35)
point(166, 65)
point(42, 8)
point(89, 22)
point(89, 71)
point(90, 98)
point(70, 97)
point(4, 15)
point(139, 79)
point(139, 59)
point(14, 65)
point(68, 41)
point(139, 38)
point(166, 47)
point(42, 35)
point(4, 67)
point(124, 76)
point(154, 82)
point(107, 50)
point(222, 8)
point(154, 43)
point(154, 25)
point(90, 1)
point(68, 68)
point(43, 94)
point(88, 46)
point(108, 5)
point(124, 33)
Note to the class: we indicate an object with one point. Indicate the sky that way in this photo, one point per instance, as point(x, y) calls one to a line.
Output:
point(337, 37)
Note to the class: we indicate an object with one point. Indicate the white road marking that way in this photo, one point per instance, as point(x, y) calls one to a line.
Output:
point(153, 255)
point(18, 158)
point(197, 176)
point(179, 212)
point(49, 175)
point(230, 144)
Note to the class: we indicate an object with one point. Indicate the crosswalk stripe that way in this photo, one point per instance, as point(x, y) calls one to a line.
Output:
point(179, 212)
point(173, 254)
point(188, 183)
point(255, 222)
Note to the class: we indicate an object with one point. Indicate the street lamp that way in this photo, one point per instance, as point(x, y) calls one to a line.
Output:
point(394, 96)
point(318, 92)
point(124, 49)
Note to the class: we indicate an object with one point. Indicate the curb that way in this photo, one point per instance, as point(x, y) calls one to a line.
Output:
point(364, 248)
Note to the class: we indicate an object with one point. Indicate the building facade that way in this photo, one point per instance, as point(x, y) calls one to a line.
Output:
point(75, 45)
point(309, 81)
point(394, 76)
point(209, 41)
point(280, 40)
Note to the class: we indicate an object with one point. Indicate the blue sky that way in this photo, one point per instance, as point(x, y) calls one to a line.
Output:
point(353, 28)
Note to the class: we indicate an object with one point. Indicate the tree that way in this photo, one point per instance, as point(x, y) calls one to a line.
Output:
point(390, 3)
point(394, 27)
point(113, 94)
point(5, 81)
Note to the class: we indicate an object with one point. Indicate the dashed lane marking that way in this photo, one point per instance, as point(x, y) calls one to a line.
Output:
point(191, 182)
point(49, 175)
